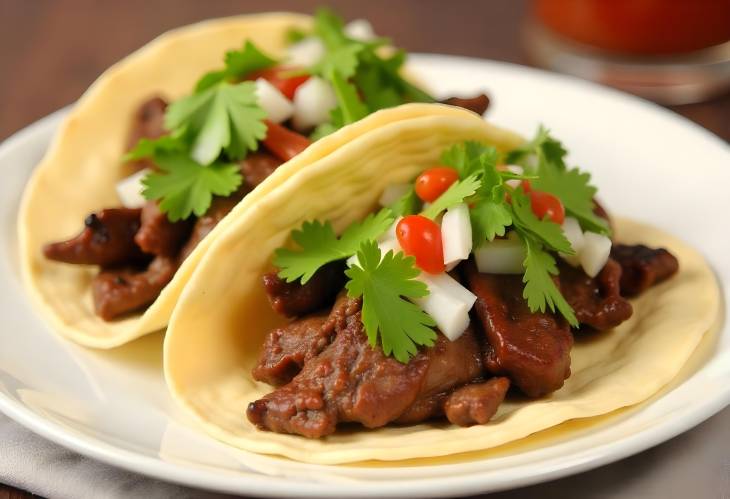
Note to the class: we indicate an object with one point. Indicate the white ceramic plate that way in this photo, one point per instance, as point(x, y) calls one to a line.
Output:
point(649, 163)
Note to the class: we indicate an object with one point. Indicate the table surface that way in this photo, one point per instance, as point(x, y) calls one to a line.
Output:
point(50, 51)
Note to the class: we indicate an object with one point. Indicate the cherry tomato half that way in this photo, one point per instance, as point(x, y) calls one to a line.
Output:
point(286, 85)
point(284, 143)
point(546, 205)
point(421, 237)
point(434, 182)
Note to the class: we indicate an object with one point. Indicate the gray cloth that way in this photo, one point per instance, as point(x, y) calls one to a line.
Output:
point(694, 465)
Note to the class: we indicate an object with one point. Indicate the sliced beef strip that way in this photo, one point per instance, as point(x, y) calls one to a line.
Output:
point(292, 299)
point(597, 301)
point(148, 122)
point(476, 403)
point(288, 348)
point(107, 239)
point(478, 103)
point(533, 349)
point(117, 292)
point(643, 267)
point(257, 166)
point(157, 235)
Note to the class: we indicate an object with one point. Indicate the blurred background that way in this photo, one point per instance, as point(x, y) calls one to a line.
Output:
point(673, 51)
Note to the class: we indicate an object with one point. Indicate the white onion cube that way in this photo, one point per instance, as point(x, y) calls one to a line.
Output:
point(517, 170)
point(129, 190)
point(574, 235)
point(456, 234)
point(501, 256)
point(278, 108)
point(313, 101)
point(393, 193)
point(360, 30)
point(451, 315)
point(595, 252)
point(306, 52)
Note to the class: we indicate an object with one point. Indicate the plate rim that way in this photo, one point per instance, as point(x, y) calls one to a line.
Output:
point(265, 485)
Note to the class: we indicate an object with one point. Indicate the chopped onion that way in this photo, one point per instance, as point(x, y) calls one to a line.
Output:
point(574, 235)
point(448, 303)
point(456, 234)
point(277, 106)
point(390, 233)
point(517, 170)
point(501, 256)
point(313, 101)
point(393, 193)
point(129, 190)
point(595, 252)
point(306, 52)
point(360, 30)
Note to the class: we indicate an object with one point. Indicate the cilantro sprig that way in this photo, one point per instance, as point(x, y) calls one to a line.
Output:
point(386, 282)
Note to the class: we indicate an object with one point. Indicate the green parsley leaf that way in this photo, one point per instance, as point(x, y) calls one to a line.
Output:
point(329, 27)
point(238, 64)
point(455, 194)
point(350, 107)
point(470, 157)
point(187, 187)
point(319, 245)
point(488, 220)
point(341, 60)
point(544, 231)
point(294, 35)
point(149, 148)
point(540, 289)
point(408, 204)
point(223, 117)
point(384, 286)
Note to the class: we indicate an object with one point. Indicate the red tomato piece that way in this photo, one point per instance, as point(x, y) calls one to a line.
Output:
point(525, 184)
point(545, 204)
point(434, 182)
point(287, 85)
point(421, 237)
point(284, 143)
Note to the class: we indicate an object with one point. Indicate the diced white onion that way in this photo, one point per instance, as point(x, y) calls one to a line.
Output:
point(501, 256)
point(277, 106)
point(129, 190)
point(360, 29)
point(444, 283)
point(448, 303)
point(456, 234)
point(517, 170)
point(595, 252)
point(385, 246)
point(390, 233)
point(313, 101)
point(574, 235)
point(306, 52)
point(393, 193)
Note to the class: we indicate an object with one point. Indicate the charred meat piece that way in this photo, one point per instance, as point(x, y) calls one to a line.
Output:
point(293, 299)
point(348, 381)
point(643, 267)
point(107, 239)
point(157, 235)
point(257, 167)
point(118, 292)
point(219, 208)
point(533, 349)
point(149, 123)
point(476, 403)
point(288, 348)
point(597, 301)
point(478, 103)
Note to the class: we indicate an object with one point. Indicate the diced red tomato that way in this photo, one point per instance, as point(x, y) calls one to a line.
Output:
point(525, 184)
point(287, 85)
point(434, 182)
point(421, 237)
point(284, 143)
point(545, 204)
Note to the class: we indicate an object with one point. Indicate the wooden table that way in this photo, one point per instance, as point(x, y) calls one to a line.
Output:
point(50, 51)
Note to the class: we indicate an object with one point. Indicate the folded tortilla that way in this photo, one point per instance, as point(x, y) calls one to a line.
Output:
point(218, 327)
point(79, 172)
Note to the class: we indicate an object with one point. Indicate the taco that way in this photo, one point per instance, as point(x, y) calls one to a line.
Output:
point(438, 286)
point(204, 125)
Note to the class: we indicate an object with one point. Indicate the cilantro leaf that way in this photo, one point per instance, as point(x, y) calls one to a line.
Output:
point(319, 245)
point(540, 289)
point(384, 284)
point(455, 194)
point(186, 187)
point(408, 204)
point(148, 148)
point(488, 220)
point(329, 27)
point(470, 157)
point(238, 64)
point(544, 231)
point(223, 117)
point(341, 60)
point(350, 107)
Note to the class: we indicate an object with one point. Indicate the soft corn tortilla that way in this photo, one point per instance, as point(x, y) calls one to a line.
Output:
point(219, 325)
point(79, 173)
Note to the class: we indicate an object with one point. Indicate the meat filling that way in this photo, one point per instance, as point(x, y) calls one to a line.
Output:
point(292, 299)
point(643, 267)
point(148, 123)
point(477, 104)
point(476, 403)
point(157, 235)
